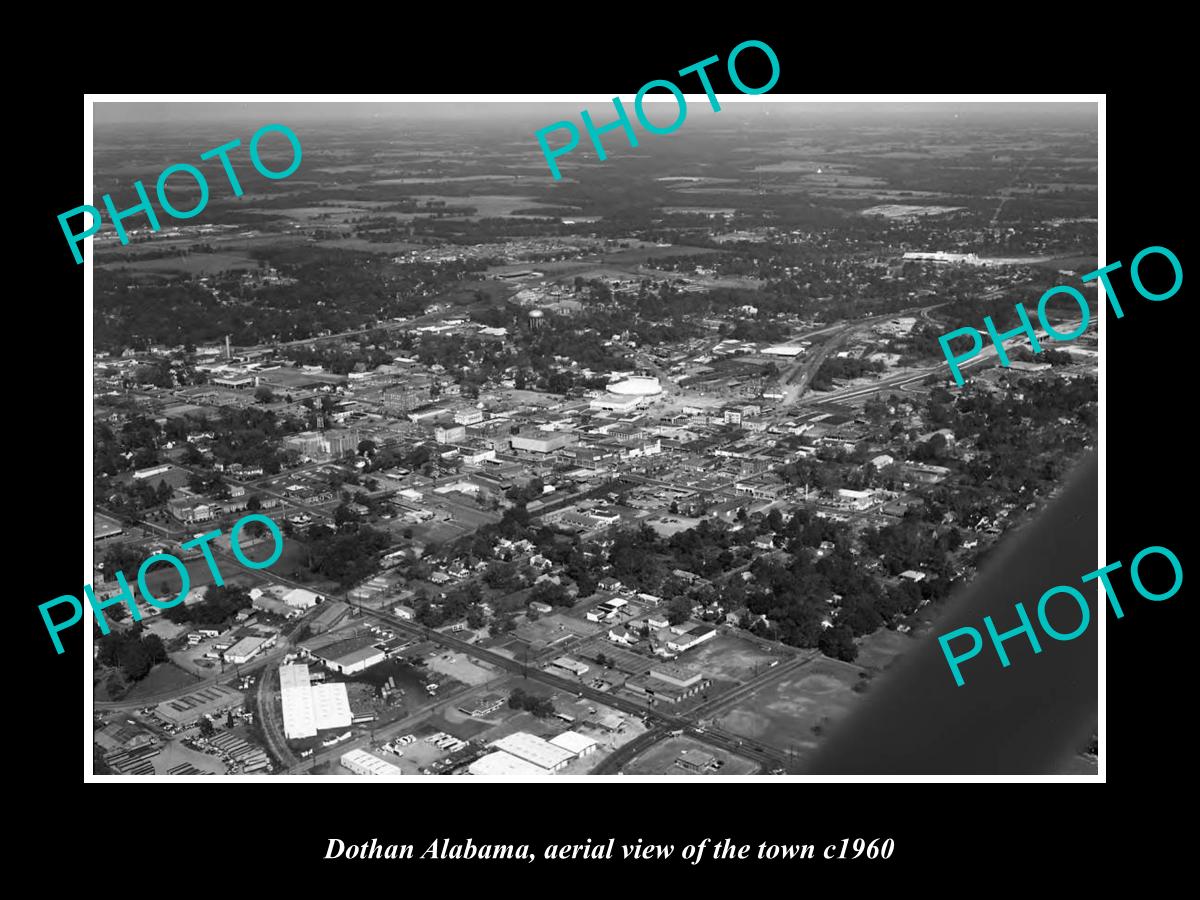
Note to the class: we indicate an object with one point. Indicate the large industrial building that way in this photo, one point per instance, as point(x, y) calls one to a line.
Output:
point(347, 655)
point(546, 756)
point(360, 762)
point(309, 708)
point(504, 765)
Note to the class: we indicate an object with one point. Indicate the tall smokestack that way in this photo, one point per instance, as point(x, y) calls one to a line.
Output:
point(228, 351)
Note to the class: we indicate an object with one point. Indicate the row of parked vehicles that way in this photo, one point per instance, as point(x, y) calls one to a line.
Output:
point(393, 746)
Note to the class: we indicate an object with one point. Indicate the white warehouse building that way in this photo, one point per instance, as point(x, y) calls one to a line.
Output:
point(546, 756)
point(499, 764)
point(574, 742)
point(360, 762)
point(309, 708)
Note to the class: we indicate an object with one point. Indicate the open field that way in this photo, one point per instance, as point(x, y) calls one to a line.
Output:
point(661, 760)
point(459, 667)
point(902, 210)
point(784, 713)
point(163, 677)
point(667, 524)
point(192, 264)
point(354, 243)
point(730, 658)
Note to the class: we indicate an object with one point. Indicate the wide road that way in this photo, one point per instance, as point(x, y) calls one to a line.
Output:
point(623, 756)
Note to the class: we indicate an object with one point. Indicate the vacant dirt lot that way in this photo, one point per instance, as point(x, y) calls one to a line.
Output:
point(784, 713)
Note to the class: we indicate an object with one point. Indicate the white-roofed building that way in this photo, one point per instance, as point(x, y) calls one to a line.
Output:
point(636, 385)
point(309, 708)
point(300, 598)
point(331, 705)
point(504, 765)
point(295, 695)
point(616, 403)
point(247, 648)
point(546, 756)
point(573, 741)
point(783, 350)
point(360, 762)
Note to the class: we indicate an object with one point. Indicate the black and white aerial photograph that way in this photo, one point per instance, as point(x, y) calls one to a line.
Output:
point(452, 467)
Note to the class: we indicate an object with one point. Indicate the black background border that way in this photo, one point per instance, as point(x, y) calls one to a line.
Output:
point(984, 828)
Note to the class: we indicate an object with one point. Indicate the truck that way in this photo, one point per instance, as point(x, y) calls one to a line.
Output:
point(337, 740)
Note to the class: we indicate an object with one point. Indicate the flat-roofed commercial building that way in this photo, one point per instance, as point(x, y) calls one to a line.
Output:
point(237, 382)
point(858, 500)
point(248, 648)
point(572, 665)
point(469, 416)
point(690, 638)
point(360, 762)
point(450, 434)
point(656, 689)
point(541, 441)
point(696, 760)
point(680, 676)
point(541, 753)
point(355, 660)
point(504, 765)
point(104, 527)
point(209, 700)
point(615, 403)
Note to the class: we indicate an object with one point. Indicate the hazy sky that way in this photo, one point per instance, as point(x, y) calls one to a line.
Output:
point(1075, 115)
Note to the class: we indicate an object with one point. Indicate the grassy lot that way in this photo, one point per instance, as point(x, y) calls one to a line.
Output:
point(459, 667)
point(785, 713)
point(195, 264)
point(728, 657)
point(163, 677)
